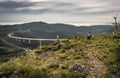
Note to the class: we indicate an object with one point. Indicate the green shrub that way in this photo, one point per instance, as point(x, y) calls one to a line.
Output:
point(77, 57)
point(53, 66)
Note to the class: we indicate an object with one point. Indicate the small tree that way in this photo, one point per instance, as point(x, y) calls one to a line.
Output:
point(116, 23)
point(57, 37)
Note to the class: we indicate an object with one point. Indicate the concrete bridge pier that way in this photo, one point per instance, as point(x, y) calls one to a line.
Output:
point(40, 43)
point(29, 41)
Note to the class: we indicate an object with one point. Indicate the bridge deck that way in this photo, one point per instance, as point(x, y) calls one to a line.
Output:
point(35, 39)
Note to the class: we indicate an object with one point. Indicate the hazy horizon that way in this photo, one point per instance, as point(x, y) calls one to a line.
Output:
point(74, 24)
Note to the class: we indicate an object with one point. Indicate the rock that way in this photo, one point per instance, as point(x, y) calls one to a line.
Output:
point(77, 67)
point(15, 72)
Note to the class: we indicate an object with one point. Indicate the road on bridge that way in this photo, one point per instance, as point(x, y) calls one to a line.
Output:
point(11, 35)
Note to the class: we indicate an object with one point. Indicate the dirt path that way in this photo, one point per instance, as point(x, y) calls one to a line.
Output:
point(97, 67)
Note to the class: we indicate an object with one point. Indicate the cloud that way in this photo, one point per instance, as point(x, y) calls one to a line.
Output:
point(63, 6)
point(35, 7)
point(11, 5)
point(68, 9)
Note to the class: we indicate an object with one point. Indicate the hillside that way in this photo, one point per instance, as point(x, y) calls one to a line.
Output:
point(46, 30)
point(8, 51)
point(75, 57)
point(41, 30)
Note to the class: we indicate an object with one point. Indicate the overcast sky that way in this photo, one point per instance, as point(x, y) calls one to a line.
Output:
point(58, 11)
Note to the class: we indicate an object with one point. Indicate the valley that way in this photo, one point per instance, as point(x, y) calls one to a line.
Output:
point(72, 57)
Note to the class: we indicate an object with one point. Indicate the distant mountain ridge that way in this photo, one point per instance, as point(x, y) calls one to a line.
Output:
point(45, 30)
